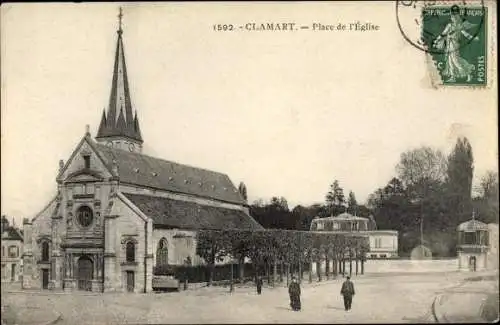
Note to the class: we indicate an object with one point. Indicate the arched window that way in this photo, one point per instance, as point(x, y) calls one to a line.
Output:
point(162, 252)
point(45, 251)
point(130, 251)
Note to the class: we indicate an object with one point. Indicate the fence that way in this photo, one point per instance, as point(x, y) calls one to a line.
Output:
point(410, 266)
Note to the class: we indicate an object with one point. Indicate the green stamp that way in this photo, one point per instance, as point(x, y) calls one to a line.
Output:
point(455, 37)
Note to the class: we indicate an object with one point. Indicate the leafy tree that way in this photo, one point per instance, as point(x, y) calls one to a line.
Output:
point(489, 184)
point(212, 246)
point(459, 181)
point(421, 168)
point(352, 203)
point(486, 205)
point(5, 223)
point(422, 171)
point(279, 203)
point(335, 198)
point(275, 214)
point(304, 215)
point(258, 203)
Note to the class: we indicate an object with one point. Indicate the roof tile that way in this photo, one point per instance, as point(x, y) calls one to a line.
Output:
point(139, 169)
point(190, 215)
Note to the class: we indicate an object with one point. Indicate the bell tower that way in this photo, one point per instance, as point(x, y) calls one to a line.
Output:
point(119, 128)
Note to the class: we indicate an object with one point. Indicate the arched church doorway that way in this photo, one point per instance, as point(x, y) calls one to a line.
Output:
point(85, 273)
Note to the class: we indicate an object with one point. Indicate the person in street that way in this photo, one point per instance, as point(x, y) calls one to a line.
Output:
point(294, 292)
point(347, 291)
point(259, 285)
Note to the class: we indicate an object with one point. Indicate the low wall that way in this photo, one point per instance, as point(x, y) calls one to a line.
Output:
point(410, 266)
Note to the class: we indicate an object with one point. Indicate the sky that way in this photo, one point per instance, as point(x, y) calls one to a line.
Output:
point(284, 112)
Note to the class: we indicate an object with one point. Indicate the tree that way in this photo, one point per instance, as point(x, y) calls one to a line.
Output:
point(304, 215)
point(423, 172)
point(352, 203)
point(279, 203)
point(459, 180)
point(243, 191)
point(212, 246)
point(489, 185)
point(486, 205)
point(275, 214)
point(5, 223)
point(421, 168)
point(258, 203)
point(335, 198)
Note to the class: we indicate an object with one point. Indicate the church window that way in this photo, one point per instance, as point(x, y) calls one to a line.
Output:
point(45, 251)
point(130, 251)
point(162, 252)
point(84, 216)
point(86, 158)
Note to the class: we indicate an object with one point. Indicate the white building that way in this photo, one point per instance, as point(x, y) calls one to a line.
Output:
point(477, 247)
point(383, 243)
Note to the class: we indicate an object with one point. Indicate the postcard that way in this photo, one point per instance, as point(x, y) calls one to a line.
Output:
point(249, 162)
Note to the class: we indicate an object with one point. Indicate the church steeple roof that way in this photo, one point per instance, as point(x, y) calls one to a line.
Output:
point(119, 121)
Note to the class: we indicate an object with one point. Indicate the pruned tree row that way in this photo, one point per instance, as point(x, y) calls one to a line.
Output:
point(284, 250)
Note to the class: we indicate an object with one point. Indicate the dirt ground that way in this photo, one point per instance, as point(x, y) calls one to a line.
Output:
point(378, 299)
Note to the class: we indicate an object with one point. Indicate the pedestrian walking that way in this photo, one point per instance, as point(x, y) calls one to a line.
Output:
point(294, 292)
point(259, 285)
point(347, 291)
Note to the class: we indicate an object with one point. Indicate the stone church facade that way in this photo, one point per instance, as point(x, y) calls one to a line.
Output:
point(118, 212)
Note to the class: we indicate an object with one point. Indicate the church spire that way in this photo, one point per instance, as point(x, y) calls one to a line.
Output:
point(119, 122)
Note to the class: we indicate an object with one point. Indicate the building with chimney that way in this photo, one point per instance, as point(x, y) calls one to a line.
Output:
point(117, 212)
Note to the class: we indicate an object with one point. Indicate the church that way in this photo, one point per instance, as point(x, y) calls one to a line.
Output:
point(118, 212)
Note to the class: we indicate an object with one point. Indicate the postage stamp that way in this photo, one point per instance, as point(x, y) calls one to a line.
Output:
point(454, 35)
point(456, 39)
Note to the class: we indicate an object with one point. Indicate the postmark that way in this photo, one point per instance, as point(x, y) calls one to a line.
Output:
point(454, 36)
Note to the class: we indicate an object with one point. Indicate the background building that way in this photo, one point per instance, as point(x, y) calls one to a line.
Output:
point(12, 250)
point(477, 247)
point(383, 243)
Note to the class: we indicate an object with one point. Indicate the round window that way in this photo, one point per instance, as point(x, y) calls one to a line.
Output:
point(85, 216)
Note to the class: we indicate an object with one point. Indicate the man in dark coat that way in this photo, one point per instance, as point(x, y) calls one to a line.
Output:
point(347, 291)
point(294, 292)
point(259, 285)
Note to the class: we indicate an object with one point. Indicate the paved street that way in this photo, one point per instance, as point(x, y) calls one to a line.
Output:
point(379, 299)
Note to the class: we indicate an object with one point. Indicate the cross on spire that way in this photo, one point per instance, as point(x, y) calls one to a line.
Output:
point(120, 16)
